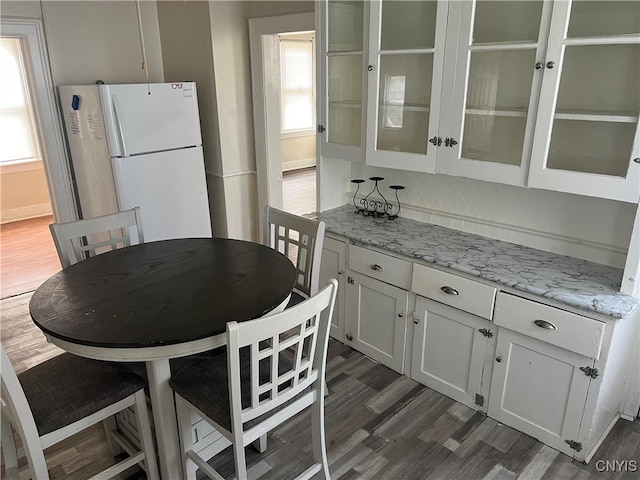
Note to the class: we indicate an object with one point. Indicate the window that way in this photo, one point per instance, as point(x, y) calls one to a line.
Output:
point(297, 86)
point(394, 92)
point(18, 140)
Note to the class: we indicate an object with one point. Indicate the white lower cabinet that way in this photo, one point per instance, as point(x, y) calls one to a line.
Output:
point(376, 319)
point(450, 351)
point(333, 265)
point(558, 376)
point(539, 389)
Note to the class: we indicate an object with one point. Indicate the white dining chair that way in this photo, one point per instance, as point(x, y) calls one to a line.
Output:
point(61, 397)
point(301, 240)
point(81, 239)
point(273, 369)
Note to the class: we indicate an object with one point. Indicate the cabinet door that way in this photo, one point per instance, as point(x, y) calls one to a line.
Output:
point(587, 139)
point(333, 266)
point(495, 88)
point(376, 320)
point(538, 389)
point(406, 58)
point(450, 348)
point(342, 45)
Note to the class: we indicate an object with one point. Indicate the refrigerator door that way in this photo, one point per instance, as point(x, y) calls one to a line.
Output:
point(90, 156)
point(145, 118)
point(170, 189)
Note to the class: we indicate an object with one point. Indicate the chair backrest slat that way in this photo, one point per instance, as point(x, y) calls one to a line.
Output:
point(292, 342)
point(78, 240)
point(301, 240)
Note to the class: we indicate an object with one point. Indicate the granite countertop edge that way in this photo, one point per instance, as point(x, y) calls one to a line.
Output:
point(568, 280)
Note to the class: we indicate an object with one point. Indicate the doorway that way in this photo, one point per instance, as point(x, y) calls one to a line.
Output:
point(293, 190)
point(28, 253)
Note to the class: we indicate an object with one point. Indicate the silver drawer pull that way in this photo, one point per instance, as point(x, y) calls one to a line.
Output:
point(544, 324)
point(377, 267)
point(449, 290)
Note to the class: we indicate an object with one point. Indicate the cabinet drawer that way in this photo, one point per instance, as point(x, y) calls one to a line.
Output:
point(458, 292)
point(380, 266)
point(564, 329)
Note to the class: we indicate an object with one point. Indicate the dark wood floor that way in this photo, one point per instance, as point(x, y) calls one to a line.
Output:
point(379, 425)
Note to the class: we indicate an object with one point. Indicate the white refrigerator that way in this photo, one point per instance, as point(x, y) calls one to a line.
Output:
point(139, 145)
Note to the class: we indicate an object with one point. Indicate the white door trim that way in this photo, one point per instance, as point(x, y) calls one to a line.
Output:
point(56, 165)
point(266, 101)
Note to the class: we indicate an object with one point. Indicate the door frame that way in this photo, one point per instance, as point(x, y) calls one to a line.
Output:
point(265, 82)
point(50, 131)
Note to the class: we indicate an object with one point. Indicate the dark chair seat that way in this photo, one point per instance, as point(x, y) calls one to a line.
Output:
point(81, 388)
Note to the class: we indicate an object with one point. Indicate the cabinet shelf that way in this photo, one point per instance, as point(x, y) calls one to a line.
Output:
point(501, 112)
point(618, 117)
point(407, 107)
point(346, 104)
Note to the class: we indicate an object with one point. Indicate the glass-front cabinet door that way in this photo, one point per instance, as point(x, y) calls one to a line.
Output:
point(342, 51)
point(406, 58)
point(496, 76)
point(587, 139)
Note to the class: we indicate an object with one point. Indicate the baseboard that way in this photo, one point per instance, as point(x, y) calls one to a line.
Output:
point(25, 213)
point(298, 164)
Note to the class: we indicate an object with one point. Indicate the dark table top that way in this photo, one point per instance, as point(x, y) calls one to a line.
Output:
point(162, 293)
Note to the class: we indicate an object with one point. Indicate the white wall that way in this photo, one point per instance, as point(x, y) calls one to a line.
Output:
point(586, 227)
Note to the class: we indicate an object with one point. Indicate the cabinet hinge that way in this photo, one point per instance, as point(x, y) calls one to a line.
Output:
point(590, 372)
point(577, 446)
point(486, 332)
point(479, 400)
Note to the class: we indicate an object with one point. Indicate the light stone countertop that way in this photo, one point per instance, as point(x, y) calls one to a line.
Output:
point(578, 283)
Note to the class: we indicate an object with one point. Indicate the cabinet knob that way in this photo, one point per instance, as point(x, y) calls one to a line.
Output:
point(416, 320)
point(637, 160)
point(376, 267)
point(321, 129)
point(449, 290)
point(539, 65)
point(349, 336)
point(499, 358)
point(550, 65)
point(370, 68)
point(437, 141)
point(401, 315)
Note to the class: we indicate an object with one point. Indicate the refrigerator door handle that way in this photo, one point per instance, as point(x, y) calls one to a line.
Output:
point(119, 125)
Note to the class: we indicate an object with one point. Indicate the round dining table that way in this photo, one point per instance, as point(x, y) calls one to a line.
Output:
point(157, 301)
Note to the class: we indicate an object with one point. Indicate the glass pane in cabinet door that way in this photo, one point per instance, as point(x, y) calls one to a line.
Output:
point(344, 91)
point(591, 18)
point(507, 21)
point(499, 87)
point(591, 147)
point(403, 102)
point(408, 24)
point(603, 78)
point(345, 25)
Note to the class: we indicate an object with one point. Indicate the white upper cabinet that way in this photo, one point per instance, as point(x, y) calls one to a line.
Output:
point(342, 46)
point(493, 84)
point(405, 67)
point(536, 93)
point(586, 139)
